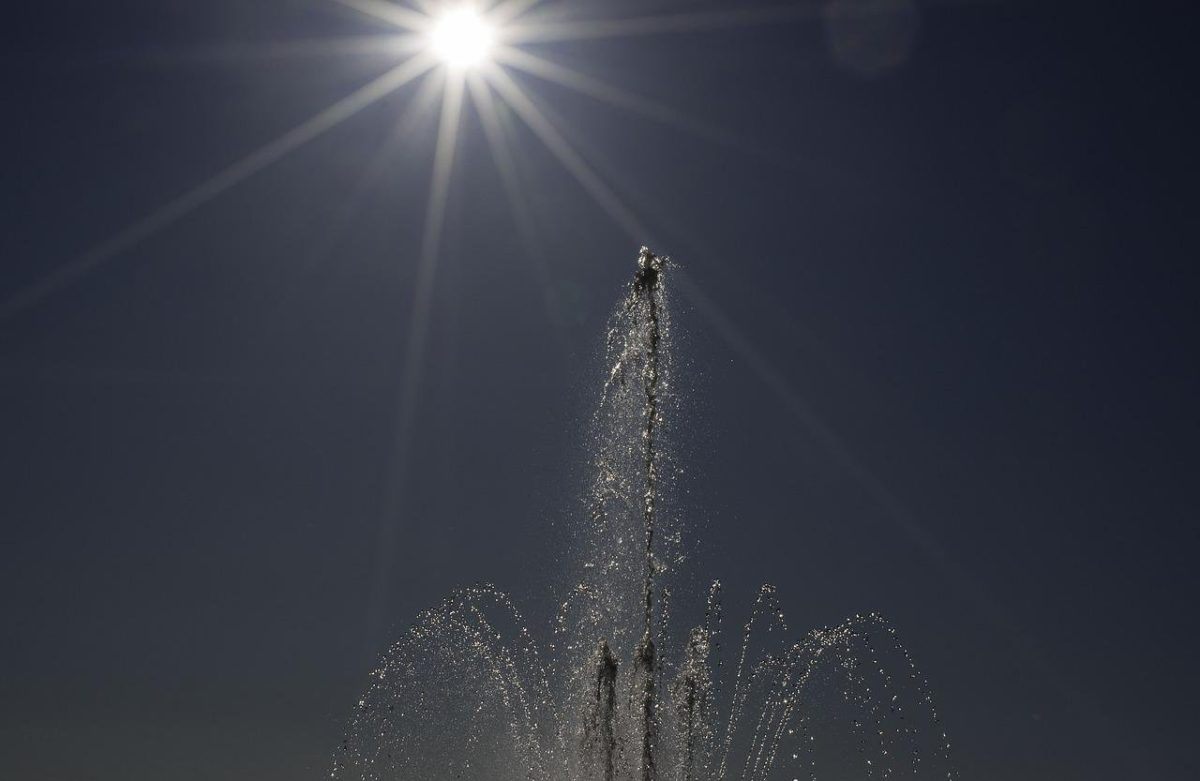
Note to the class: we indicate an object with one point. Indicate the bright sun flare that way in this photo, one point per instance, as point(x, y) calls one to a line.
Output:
point(462, 38)
point(486, 63)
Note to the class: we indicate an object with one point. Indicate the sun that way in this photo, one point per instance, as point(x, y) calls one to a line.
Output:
point(462, 38)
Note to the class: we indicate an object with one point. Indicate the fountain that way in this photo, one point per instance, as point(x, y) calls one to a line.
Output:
point(469, 693)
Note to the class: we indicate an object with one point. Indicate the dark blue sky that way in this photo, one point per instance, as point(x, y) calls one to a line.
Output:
point(939, 326)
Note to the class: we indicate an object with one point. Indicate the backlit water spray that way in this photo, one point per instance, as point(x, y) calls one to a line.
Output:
point(469, 692)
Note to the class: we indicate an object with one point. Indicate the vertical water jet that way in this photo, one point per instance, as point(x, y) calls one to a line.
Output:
point(647, 289)
point(599, 724)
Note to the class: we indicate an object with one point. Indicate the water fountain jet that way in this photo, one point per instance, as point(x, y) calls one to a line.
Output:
point(468, 693)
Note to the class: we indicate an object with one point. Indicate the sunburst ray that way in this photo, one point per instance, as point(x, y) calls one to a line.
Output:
point(375, 171)
point(414, 355)
point(206, 191)
point(388, 13)
point(508, 10)
point(521, 104)
point(493, 131)
point(536, 31)
point(614, 96)
point(502, 155)
point(389, 45)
